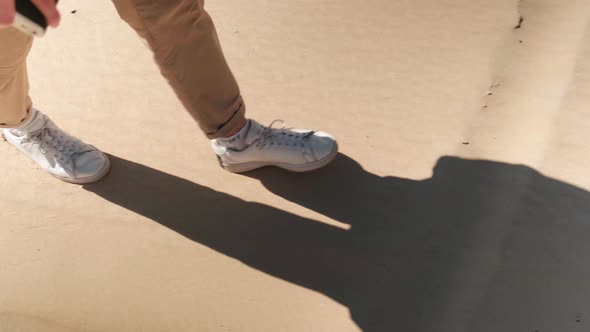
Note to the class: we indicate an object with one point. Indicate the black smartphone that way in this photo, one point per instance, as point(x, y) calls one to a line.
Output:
point(29, 19)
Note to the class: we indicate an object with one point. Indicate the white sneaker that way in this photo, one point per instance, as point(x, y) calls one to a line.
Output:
point(61, 155)
point(292, 149)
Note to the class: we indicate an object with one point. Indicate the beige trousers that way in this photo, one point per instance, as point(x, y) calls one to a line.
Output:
point(185, 46)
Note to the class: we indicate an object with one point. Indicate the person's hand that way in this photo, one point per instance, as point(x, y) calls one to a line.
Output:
point(6, 12)
point(47, 7)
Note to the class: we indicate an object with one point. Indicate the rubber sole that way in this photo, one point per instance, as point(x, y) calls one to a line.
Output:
point(247, 167)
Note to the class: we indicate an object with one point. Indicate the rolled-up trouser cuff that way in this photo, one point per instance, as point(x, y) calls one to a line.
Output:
point(232, 124)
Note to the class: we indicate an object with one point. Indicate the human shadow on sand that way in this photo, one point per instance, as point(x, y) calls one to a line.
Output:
point(479, 246)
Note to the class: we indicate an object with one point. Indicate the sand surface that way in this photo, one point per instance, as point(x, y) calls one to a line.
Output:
point(460, 201)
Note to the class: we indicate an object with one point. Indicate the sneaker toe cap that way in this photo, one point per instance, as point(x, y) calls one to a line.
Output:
point(90, 164)
point(323, 145)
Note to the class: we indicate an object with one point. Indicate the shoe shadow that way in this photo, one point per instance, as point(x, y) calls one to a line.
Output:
point(470, 249)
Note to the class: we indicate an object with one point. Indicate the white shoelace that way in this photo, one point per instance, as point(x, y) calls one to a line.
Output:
point(61, 146)
point(282, 136)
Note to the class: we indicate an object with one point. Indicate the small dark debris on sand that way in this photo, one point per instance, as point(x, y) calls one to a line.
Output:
point(520, 21)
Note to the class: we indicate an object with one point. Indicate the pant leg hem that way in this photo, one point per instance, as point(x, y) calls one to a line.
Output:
point(230, 125)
